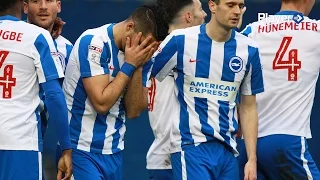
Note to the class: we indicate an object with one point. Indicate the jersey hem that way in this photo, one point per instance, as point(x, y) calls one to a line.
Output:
point(158, 167)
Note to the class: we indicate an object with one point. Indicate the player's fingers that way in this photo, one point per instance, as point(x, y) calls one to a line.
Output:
point(128, 43)
point(145, 42)
point(136, 41)
point(59, 174)
point(67, 175)
point(148, 48)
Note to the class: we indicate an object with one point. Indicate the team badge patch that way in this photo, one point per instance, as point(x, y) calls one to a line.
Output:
point(236, 64)
point(94, 53)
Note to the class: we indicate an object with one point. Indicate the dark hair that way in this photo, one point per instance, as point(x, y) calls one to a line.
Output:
point(173, 7)
point(216, 1)
point(144, 21)
point(7, 4)
point(162, 20)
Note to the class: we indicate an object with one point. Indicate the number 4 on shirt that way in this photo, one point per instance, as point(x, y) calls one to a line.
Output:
point(6, 81)
point(292, 63)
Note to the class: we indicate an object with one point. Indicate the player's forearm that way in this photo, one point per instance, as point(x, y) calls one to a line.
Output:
point(112, 93)
point(249, 128)
point(135, 99)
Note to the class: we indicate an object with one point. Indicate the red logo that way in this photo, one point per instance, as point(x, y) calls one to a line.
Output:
point(111, 67)
point(193, 60)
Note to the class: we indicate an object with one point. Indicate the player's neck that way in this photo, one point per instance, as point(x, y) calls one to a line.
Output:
point(216, 32)
point(11, 13)
point(292, 7)
point(173, 26)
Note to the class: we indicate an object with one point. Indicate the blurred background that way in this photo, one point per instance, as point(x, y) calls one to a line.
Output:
point(84, 14)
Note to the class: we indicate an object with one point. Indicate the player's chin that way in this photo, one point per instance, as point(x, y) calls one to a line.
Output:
point(233, 24)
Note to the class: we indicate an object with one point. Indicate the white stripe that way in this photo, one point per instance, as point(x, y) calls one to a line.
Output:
point(216, 66)
point(87, 125)
point(183, 166)
point(40, 165)
point(305, 161)
point(189, 68)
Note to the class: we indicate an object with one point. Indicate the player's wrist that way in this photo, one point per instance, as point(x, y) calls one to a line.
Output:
point(128, 69)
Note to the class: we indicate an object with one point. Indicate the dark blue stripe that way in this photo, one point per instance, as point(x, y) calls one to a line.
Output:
point(40, 142)
point(77, 110)
point(83, 51)
point(247, 31)
point(145, 70)
point(115, 51)
point(47, 62)
point(257, 85)
point(186, 136)
point(163, 58)
point(69, 49)
point(99, 133)
point(55, 44)
point(235, 123)
point(105, 57)
point(202, 71)
point(227, 75)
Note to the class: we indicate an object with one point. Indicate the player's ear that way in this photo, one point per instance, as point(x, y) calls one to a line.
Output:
point(212, 6)
point(59, 6)
point(188, 17)
point(25, 7)
point(130, 26)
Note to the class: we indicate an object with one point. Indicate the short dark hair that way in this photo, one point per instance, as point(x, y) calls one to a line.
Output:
point(216, 1)
point(162, 20)
point(173, 7)
point(7, 4)
point(144, 20)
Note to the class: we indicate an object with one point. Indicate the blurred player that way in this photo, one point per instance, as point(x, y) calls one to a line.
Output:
point(103, 63)
point(211, 64)
point(162, 100)
point(288, 44)
point(44, 14)
point(28, 58)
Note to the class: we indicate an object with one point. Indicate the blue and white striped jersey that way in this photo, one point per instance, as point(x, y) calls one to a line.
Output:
point(208, 76)
point(94, 53)
point(27, 57)
point(64, 48)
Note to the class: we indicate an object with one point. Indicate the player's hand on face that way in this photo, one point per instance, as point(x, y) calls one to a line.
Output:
point(136, 53)
point(151, 52)
point(65, 165)
point(57, 28)
point(250, 170)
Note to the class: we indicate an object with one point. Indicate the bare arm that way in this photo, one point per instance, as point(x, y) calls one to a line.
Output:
point(102, 93)
point(136, 97)
point(249, 128)
point(249, 124)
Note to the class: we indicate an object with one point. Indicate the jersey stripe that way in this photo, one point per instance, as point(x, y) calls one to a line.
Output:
point(47, 62)
point(202, 71)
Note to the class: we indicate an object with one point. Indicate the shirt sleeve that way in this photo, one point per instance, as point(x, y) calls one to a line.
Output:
point(46, 60)
point(165, 58)
point(253, 81)
point(94, 56)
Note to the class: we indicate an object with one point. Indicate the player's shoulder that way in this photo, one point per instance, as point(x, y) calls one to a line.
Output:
point(244, 40)
point(98, 33)
point(63, 40)
point(32, 30)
